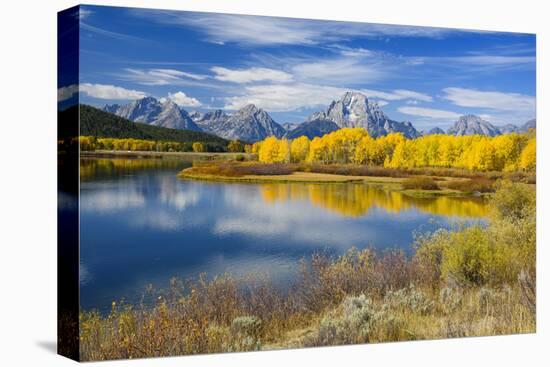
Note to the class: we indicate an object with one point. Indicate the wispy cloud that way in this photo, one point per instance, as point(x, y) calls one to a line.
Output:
point(475, 64)
point(490, 99)
point(153, 77)
point(398, 94)
point(110, 34)
point(429, 112)
point(253, 74)
point(258, 30)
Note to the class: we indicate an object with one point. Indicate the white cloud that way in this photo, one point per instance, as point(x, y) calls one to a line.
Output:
point(355, 52)
point(429, 112)
point(294, 96)
point(349, 70)
point(159, 76)
point(106, 91)
point(181, 99)
point(100, 91)
point(493, 100)
point(285, 97)
point(254, 74)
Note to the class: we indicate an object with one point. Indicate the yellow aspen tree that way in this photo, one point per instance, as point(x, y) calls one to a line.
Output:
point(269, 150)
point(528, 158)
point(299, 149)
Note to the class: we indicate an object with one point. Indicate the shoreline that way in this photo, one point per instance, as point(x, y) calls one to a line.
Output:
point(160, 155)
point(384, 183)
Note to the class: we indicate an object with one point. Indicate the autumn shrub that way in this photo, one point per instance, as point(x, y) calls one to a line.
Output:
point(420, 183)
point(478, 184)
point(478, 255)
point(325, 280)
point(513, 201)
point(354, 170)
point(238, 169)
point(467, 257)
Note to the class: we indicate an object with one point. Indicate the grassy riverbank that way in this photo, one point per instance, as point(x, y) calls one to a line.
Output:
point(414, 182)
point(462, 282)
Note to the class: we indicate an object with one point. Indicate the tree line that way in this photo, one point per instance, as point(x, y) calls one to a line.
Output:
point(508, 152)
point(91, 143)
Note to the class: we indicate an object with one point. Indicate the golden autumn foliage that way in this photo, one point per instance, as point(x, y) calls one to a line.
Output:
point(299, 149)
point(91, 143)
point(273, 150)
point(508, 152)
point(198, 147)
point(528, 158)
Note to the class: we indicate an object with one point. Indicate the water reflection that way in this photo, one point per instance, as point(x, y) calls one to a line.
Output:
point(357, 200)
point(142, 225)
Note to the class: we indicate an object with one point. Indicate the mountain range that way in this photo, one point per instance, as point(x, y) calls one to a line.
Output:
point(98, 123)
point(251, 123)
point(150, 110)
point(475, 125)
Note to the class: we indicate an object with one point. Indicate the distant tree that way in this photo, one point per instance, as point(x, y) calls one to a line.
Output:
point(198, 147)
point(299, 149)
point(283, 153)
point(269, 150)
point(235, 146)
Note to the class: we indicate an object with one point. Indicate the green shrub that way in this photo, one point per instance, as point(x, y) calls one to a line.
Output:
point(467, 256)
point(513, 201)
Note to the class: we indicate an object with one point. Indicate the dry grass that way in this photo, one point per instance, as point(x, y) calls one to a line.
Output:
point(478, 184)
point(239, 169)
point(420, 183)
point(357, 298)
point(415, 178)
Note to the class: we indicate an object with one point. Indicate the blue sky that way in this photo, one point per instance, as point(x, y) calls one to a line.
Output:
point(293, 67)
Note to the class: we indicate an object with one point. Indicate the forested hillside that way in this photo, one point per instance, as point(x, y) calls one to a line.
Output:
point(97, 123)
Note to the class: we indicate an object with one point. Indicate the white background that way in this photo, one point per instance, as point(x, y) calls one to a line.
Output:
point(28, 181)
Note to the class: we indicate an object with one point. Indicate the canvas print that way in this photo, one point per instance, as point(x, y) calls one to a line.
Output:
point(234, 183)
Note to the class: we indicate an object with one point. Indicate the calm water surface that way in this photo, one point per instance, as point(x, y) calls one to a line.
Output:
point(142, 225)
